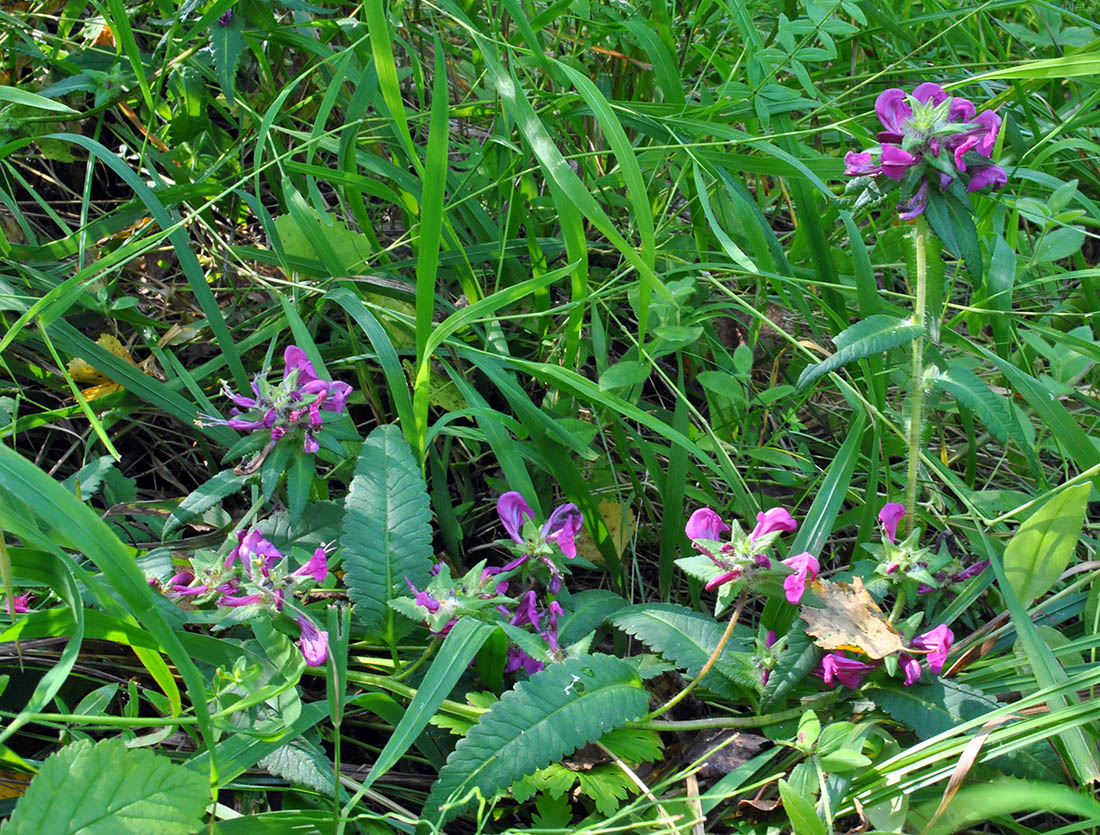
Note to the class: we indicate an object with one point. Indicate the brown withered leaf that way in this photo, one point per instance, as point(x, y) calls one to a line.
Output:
point(850, 620)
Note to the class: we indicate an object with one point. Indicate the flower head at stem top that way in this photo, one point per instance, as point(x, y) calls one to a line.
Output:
point(929, 142)
point(296, 404)
point(557, 536)
point(737, 557)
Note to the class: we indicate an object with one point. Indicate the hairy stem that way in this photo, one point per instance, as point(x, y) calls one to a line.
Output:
point(916, 396)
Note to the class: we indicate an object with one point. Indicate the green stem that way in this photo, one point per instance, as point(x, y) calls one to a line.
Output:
point(675, 700)
point(737, 721)
point(916, 397)
point(899, 604)
point(424, 657)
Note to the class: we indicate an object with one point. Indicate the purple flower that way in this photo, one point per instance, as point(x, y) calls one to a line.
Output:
point(512, 509)
point(916, 204)
point(313, 643)
point(775, 519)
point(317, 567)
point(936, 643)
point(987, 176)
point(861, 164)
point(423, 598)
point(888, 517)
point(245, 600)
point(722, 579)
point(551, 634)
point(705, 524)
point(517, 659)
point(795, 584)
point(250, 547)
point(836, 668)
point(895, 161)
point(917, 129)
point(19, 603)
point(226, 16)
point(562, 527)
point(911, 667)
point(526, 612)
point(970, 571)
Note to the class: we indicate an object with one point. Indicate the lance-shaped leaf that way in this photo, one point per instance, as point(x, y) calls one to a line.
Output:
point(870, 336)
point(1041, 549)
point(387, 525)
point(542, 720)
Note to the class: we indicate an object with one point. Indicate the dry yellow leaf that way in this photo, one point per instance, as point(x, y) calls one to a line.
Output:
point(850, 620)
point(100, 385)
point(620, 522)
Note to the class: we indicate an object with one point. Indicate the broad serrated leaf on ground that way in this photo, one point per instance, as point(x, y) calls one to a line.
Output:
point(387, 525)
point(107, 789)
point(226, 45)
point(542, 720)
point(865, 338)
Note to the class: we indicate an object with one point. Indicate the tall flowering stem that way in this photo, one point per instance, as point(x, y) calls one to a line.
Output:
point(916, 398)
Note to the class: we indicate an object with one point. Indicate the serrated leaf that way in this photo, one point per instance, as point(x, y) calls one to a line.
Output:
point(89, 477)
point(107, 789)
point(204, 497)
point(993, 410)
point(931, 709)
point(387, 525)
point(302, 762)
point(226, 45)
point(682, 635)
point(1037, 555)
point(865, 338)
point(796, 662)
point(542, 720)
point(635, 745)
point(587, 610)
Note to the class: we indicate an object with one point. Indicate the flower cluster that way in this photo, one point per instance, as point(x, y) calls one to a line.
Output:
point(906, 562)
point(743, 555)
point(482, 591)
point(255, 577)
point(294, 406)
point(837, 668)
point(543, 544)
point(930, 141)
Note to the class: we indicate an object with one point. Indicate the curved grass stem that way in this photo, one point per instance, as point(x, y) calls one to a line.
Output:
point(916, 397)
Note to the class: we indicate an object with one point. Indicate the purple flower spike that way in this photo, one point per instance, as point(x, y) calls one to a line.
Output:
point(839, 669)
point(562, 527)
point(705, 524)
point(805, 566)
point(317, 567)
point(888, 517)
point(911, 667)
point(936, 643)
point(313, 643)
point(512, 509)
point(775, 519)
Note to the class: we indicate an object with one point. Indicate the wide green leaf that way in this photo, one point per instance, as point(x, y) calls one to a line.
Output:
point(681, 635)
point(107, 789)
point(1040, 551)
point(542, 720)
point(865, 338)
point(387, 525)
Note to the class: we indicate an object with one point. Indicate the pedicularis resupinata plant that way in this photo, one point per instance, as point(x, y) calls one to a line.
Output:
point(549, 416)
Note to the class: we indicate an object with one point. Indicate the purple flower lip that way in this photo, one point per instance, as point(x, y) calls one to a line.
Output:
point(937, 643)
point(805, 566)
point(774, 519)
point(513, 510)
point(889, 517)
point(836, 668)
point(722, 579)
point(562, 527)
point(705, 524)
point(313, 642)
